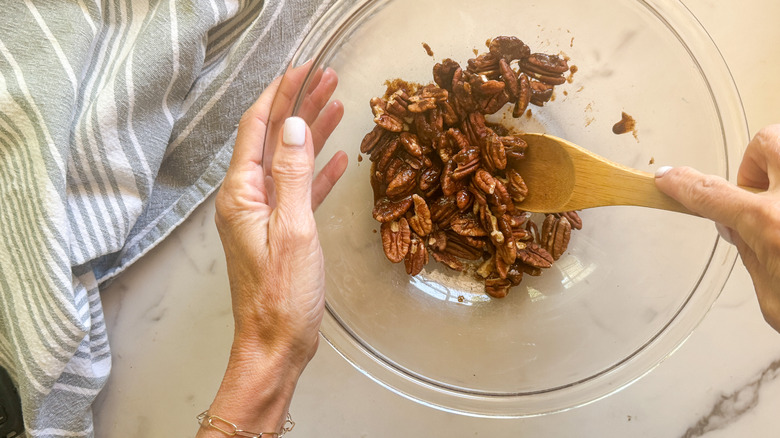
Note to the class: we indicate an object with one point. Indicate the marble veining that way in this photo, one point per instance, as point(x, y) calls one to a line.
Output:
point(731, 407)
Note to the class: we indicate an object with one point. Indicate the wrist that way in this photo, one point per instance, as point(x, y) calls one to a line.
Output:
point(256, 390)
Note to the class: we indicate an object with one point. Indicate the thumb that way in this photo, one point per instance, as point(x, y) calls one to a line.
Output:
point(293, 166)
point(706, 195)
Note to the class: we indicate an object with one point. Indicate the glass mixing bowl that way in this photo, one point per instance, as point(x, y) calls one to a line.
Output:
point(634, 282)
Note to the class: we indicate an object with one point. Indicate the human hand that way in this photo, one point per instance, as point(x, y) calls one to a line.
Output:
point(274, 260)
point(749, 220)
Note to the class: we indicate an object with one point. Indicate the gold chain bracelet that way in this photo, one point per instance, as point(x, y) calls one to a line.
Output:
point(230, 429)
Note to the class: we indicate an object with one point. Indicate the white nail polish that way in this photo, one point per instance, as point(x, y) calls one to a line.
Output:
point(661, 171)
point(294, 131)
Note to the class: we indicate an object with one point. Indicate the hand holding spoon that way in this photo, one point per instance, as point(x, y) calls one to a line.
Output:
point(562, 176)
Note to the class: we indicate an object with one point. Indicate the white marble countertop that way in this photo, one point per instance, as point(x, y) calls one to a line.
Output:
point(170, 328)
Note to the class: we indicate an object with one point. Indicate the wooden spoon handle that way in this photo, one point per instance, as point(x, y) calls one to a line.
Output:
point(625, 186)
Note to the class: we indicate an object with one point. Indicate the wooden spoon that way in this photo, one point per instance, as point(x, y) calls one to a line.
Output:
point(562, 176)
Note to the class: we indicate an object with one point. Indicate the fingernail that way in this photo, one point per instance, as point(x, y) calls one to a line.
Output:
point(294, 131)
point(663, 170)
point(725, 232)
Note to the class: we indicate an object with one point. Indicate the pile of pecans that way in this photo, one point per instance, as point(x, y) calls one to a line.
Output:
point(442, 176)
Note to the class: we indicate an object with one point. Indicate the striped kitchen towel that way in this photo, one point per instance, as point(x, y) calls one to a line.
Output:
point(117, 119)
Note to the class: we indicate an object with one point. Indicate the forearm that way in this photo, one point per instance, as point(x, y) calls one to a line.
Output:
point(256, 391)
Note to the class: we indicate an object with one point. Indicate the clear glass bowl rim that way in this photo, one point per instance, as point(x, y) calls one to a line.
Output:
point(323, 38)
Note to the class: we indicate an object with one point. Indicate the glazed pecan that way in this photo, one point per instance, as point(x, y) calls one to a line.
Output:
point(372, 139)
point(421, 222)
point(574, 219)
point(384, 119)
point(523, 95)
point(403, 183)
point(540, 93)
point(459, 247)
point(417, 256)
point(467, 225)
point(449, 184)
point(515, 146)
point(516, 185)
point(443, 209)
point(429, 179)
point(556, 232)
point(447, 259)
point(544, 64)
point(396, 238)
point(509, 47)
point(411, 144)
point(497, 287)
point(510, 79)
point(464, 199)
point(535, 256)
point(467, 161)
point(443, 73)
point(386, 210)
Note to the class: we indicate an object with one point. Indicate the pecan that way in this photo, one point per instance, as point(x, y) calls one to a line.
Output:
point(484, 181)
point(514, 275)
point(502, 268)
point(510, 79)
point(516, 185)
point(449, 184)
point(397, 104)
point(420, 104)
point(540, 93)
point(372, 139)
point(556, 232)
point(485, 64)
point(464, 199)
point(491, 87)
point(403, 183)
point(460, 248)
point(574, 219)
point(506, 248)
point(428, 125)
point(386, 210)
point(421, 221)
point(429, 179)
point(494, 103)
point(448, 260)
point(437, 240)
point(382, 154)
point(396, 238)
point(411, 144)
point(497, 287)
point(544, 64)
point(493, 153)
point(443, 73)
point(515, 146)
point(467, 161)
point(443, 209)
point(383, 118)
point(509, 47)
point(417, 256)
point(535, 256)
point(467, 225)
point(523, 96)
point(392, 169)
